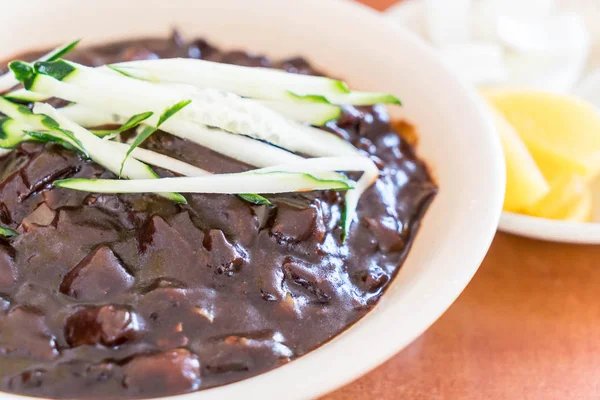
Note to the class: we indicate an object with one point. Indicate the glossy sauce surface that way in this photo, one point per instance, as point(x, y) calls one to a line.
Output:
point(124, 296)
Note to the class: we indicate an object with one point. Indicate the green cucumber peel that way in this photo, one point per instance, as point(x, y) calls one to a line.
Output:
point(60, 136)
point(341, 86)
point(27, 73)
point(59, 69)
point(141, 138)
point(12, 133)
point(102, 133)
point(309, 98)
point(7, 232)
point(133, 122)
point(343, 184)
point(175, 197)
point(123, 72)
point(352, 98)
point(315, 110)
point(255, 199)
point(60, 52)
point(24, 72)
point(345, 224)
point(174, 109)
point(8, 81)
point(25, 96)
point(149, 130)
point(40, 122)
point(47, 137)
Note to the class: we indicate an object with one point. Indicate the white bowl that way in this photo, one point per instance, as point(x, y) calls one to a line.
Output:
point(353, 42)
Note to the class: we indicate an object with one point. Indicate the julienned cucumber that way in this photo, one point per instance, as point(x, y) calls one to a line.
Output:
point(238, 147)
point(118, 94)
point(261, 83)
point(312, 113)
point(241, 183)
point(35, 124)
point(179, 167)
point(104, 153)
point(361, 98)
point(149, 130)
point(241, 148)
point(25, 96)
point(8, 81)
point(347, 164)
point(258, 83)
point(11, 132)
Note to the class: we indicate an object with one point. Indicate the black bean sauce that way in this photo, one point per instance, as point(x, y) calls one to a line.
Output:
point(125, 296)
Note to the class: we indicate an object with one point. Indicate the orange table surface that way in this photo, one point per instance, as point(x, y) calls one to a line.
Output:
point(526, 327)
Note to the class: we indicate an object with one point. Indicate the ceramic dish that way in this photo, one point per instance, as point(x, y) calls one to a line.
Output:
point(456, 139)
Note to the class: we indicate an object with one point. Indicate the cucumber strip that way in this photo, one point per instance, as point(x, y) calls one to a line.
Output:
point(149, 130)
point(359, 98)
point(210, 107)
point(25, 96)
point(90, 117)
point(107, 134)
point(262, 83)
point(258, 83)
point(104, 153)
point(353, 196)
point(241, 183)
point(323, 164)
point(241, 148)
point(133, 122)
point(84, 115)
point(36, 122)
point(312, 110)
point(160, 160)
point(345, 164)
point(179, 167)
point(316, 114)
point(12, 132)
point(255, 199)
point(7, 232)
point(8, 80)
point(55, 136)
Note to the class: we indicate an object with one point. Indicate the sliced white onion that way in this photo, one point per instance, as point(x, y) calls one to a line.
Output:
point(479, 63)
point(448, 22)
point(518, 8)
point(589, 88)
point(558, 34)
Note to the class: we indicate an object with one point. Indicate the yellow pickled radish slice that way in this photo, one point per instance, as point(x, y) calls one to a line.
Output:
point(581, 209)
point(566, 192)
point(525, 184)
point(562, 129)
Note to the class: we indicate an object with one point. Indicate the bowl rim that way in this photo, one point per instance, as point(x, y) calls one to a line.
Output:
point(342, 366)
